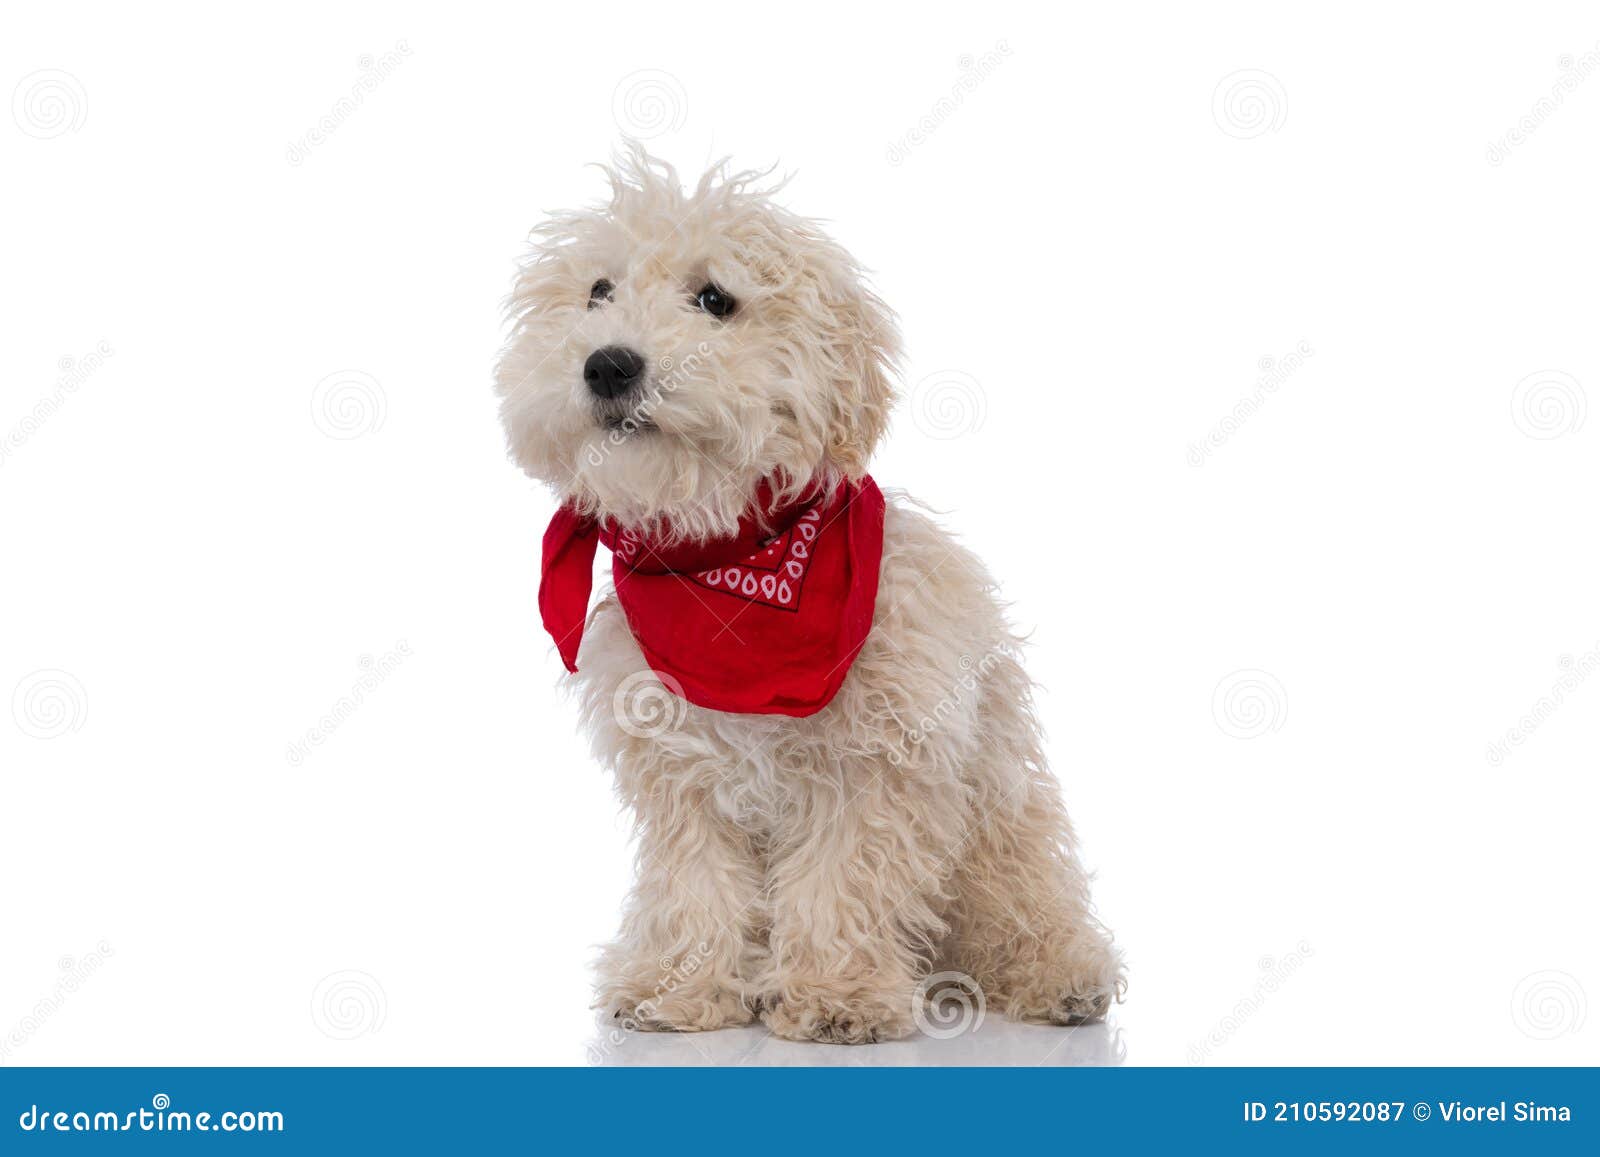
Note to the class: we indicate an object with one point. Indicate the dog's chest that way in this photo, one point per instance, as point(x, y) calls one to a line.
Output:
point(771, 766)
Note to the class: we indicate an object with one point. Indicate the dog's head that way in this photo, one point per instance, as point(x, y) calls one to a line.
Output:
point(671, 349)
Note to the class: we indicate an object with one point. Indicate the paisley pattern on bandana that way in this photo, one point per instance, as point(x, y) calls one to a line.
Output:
point(773, 576)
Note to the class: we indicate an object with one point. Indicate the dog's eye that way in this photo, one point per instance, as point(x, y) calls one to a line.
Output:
point(600, 291)
point(714, 301)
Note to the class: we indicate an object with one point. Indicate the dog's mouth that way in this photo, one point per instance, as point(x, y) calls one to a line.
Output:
point(626, 417)
point(627, 424)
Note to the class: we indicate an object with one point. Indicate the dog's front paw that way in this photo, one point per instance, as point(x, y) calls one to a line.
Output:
point(1055, 1005)
point(1078, 989)
point(1080, 1007)
point(844, 1014)
point(685, 1010)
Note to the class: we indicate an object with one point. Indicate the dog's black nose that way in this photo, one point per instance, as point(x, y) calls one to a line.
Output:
point(611, 370)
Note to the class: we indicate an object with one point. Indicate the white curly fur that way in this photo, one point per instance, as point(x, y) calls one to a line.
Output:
point(808, 871)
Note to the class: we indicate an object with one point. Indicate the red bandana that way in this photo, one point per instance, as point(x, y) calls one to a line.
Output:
point(765, 622)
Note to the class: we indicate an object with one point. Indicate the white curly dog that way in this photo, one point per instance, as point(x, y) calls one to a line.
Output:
point(684, 366)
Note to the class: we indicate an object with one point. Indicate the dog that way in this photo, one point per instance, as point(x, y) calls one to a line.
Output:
point(824, 824)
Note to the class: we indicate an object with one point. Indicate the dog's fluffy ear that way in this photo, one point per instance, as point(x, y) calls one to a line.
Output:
point(866, 356)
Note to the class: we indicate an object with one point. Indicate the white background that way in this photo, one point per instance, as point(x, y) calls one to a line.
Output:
point(1093, 249)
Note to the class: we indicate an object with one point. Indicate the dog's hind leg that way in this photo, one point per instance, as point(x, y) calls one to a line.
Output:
point(1022, 925)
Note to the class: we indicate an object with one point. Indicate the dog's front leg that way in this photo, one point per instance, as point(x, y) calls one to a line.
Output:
point(680, 961)
point(854, 887)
